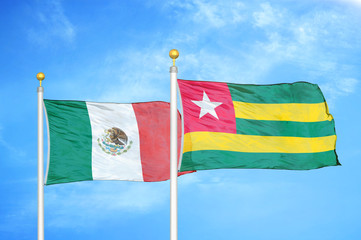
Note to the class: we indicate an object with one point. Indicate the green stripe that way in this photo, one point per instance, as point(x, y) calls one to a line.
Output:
point(212, 159)
point(70, 142)
point(285, 128)
point(299, 92)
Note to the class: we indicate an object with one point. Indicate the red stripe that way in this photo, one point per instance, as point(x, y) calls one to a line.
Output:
point(217, 92)
point(153, 120)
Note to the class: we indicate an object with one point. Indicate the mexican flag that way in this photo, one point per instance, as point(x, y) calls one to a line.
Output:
point(108, 141)
point(281, 126)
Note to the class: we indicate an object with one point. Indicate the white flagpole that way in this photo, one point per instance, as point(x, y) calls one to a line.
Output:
point(173, 148)
point(40, 76)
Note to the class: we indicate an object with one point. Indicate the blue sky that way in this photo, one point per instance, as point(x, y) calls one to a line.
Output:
point(117, 51)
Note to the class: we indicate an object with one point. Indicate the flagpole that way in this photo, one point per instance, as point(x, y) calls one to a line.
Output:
point(40, 76)
point(173, 148)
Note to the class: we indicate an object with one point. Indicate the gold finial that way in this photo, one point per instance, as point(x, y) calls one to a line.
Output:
point(40, 76)
point(173, 54)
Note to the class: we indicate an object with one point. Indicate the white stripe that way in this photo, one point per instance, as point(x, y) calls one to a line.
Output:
point(181, 107)
point(48, 131)
point(127, 165)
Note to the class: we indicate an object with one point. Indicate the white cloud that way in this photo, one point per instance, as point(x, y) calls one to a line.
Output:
point(52, 24)
point(311, 42)
point(218, 15)
point(215, 14)
point(268, 16)
point(188, 180)
point(209, 66)
point(304, 34)
point(338, 88)
point(13, 222)
point(344, 86)
point(132, 76)
point(348, 85)
point(305, 41)
point(86, 204)
point(122, 75)
point(353, 2)
point(14, 151)
point(244, 196)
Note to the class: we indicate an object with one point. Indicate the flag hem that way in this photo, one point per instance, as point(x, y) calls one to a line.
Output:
point(103, 102)
point(182, 140)
point(334, 124)
point(272, 84)
point(48, 160)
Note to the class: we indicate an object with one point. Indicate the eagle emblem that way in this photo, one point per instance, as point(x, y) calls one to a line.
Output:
point(114, 141)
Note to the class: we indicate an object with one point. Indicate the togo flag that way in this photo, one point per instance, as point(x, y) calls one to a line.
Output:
point(108, 141)
point(281, 126)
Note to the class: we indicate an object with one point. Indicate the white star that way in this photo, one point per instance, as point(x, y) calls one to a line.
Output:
point(207, 106)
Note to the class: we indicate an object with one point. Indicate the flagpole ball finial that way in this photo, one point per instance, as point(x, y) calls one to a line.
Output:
point(40, 76)
point(174, 55)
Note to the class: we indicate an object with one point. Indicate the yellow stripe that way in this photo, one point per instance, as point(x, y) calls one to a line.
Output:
point(196, 141)
point(297, 112)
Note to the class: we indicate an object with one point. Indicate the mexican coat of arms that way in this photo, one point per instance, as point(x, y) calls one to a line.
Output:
point(114, 141)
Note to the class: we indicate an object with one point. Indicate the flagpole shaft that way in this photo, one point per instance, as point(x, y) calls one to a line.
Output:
point(40, 165)
point(173, 155)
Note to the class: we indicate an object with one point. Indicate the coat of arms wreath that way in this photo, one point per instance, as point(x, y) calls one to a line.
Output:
point(114, 141)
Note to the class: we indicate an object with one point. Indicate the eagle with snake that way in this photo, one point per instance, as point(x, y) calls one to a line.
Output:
point(117, 136)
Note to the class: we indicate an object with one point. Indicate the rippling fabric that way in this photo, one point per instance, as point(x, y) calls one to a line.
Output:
point(281, 126)
point(108, 141)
